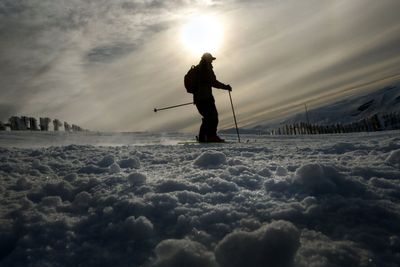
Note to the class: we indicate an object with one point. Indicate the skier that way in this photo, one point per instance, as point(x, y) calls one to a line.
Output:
point(204, 100)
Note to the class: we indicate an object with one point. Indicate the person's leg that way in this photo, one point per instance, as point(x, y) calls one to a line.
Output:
point(212, 119)
point(208, 128)
point(213, 124)
point(203, 130)
point(202, 108)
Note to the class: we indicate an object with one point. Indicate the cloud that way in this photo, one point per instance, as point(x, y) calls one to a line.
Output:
point(109, 53)
point(118, 60)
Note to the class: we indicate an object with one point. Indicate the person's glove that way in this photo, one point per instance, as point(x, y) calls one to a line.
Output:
point(229, 88)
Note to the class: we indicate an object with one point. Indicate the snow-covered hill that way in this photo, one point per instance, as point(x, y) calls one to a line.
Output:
point(383, 101)
point(144, 200)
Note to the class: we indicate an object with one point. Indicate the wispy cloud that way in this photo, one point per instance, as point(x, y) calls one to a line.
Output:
point(106, 64)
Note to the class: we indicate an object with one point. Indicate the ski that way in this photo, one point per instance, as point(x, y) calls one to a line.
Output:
point(205, 143)
point(202, 143)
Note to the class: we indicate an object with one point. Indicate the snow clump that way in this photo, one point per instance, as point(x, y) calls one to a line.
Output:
point(281, 171)
point(184, 252)
point(394, 158)
point(317, 250)
point(320, 179)
point(71, 177)
point(106, 161)
point(133, 163)
point(82, 200)
point(62, 189)
point(23, 184)
point(316, 178)
point(114, 168)
point(52, 201)
point(273, 245)
point(37, 165)
point(140, 227)
point(266, 172)
point(92, 169)
point(210, 159)
point(136, 179)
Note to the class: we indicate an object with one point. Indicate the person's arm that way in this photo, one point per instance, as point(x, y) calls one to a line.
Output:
point(217, 84)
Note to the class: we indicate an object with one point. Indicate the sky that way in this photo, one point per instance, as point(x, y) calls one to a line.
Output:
point(105, 65)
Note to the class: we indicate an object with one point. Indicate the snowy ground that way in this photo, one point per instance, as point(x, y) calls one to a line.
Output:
point(144, 200)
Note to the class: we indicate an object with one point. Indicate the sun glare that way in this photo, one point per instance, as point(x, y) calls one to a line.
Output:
point(202, 34)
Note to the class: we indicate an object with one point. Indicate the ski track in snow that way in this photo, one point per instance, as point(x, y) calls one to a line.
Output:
point(329, 200)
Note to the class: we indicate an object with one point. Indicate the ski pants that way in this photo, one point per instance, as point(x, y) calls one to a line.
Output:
point(208, 111)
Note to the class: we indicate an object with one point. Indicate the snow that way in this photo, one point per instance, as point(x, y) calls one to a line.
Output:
point(184, 252)
point(210, 159)
point(274, 245)
point(136, 178)
point(133, 163)
point(394, 158)
point(144, 200)
point(114, 168)
point(106, 161)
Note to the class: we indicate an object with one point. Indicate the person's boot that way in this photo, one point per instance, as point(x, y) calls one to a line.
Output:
point(201, 138)
point(215, 139)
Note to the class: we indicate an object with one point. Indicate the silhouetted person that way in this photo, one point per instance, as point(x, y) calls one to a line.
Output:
point(204, 100)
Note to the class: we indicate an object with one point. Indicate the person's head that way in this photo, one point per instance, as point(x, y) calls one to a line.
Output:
point(207, 57)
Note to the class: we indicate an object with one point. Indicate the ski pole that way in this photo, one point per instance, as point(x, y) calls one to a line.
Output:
point(234, 116)
point(158, 109)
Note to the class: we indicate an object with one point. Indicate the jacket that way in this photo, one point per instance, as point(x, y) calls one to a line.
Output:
point(206, 80)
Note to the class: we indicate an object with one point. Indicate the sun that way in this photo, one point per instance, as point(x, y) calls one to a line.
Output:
point(202, 34)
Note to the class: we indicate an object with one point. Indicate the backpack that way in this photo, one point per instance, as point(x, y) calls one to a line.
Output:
point(190, 79)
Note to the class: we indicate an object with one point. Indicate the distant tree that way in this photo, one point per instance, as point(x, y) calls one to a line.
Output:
point(56, 125)
point(33, 126)
point(25, 122)
point(44, 124)
point(16, 124)
point(67, 127)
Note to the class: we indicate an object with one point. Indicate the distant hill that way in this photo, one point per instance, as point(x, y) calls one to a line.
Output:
point(379, 102)
point(352, 109)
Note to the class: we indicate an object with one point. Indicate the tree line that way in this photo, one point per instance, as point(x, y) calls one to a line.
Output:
point(389, 121)
point(24, 123)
